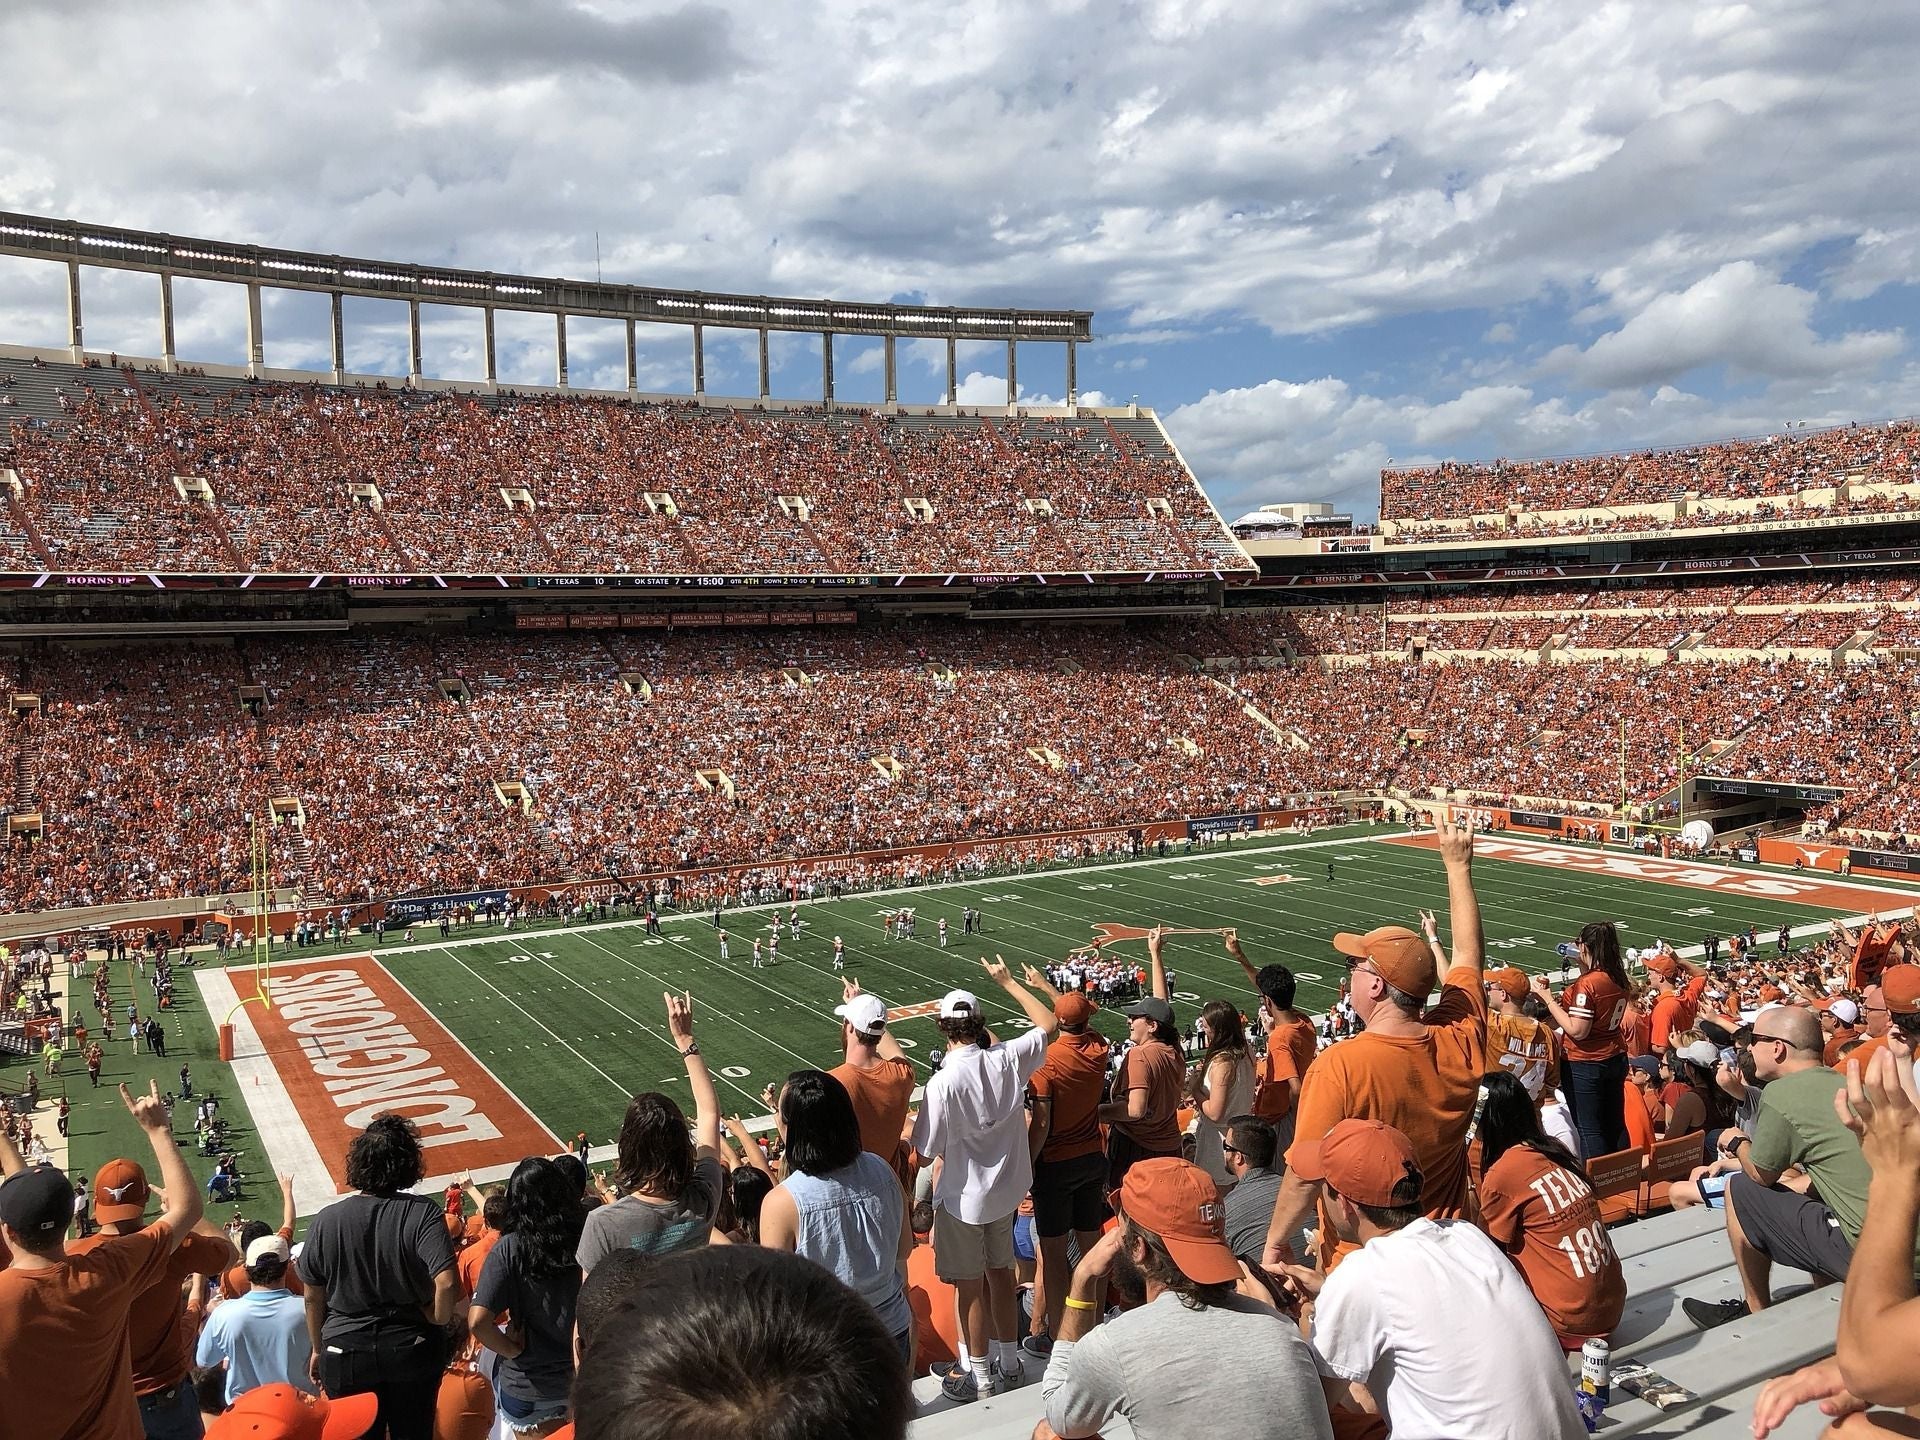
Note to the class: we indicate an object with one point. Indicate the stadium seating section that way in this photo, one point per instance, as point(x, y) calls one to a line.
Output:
point(504, 759)
point(122, 470)
point(1799, 475)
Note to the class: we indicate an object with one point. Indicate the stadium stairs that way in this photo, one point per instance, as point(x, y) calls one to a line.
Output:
point(1671, 1257)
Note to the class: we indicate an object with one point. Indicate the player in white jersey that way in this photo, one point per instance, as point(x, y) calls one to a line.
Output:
point(723, 945)
point(773, 947)
point(756, 953)
point(886, 924)
point(839, 953)
point(943, 932)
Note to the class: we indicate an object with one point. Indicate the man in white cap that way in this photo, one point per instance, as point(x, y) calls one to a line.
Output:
point(973, 1118)
point(877, 1075)
point(262, 1337)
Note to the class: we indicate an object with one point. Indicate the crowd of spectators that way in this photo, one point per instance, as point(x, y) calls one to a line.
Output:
point(1782, 465)
point(1373, 1201)
point(734, 491)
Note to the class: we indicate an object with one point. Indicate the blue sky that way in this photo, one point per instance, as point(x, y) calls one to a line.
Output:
point(1317, 236)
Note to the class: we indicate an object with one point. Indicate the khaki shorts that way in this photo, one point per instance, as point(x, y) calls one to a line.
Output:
point(966, 1252)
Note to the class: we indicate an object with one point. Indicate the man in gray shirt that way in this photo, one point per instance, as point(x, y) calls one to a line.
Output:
point(1251, 1147)
point(1160, 1366)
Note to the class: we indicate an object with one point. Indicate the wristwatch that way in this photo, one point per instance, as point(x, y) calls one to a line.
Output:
point(693, 1049)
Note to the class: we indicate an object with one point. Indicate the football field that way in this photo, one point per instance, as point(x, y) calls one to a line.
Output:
point(507, 1043)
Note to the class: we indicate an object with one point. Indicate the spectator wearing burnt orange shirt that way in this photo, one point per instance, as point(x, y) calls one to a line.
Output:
point(877, 1076)
point(65, 1361)
point(1516, 1042)
point(1589, 1013)
point(1536, 1204)
point(1069, 1160)
point(162, 1345)
point(1292, 1042)
point(1678, 987)
point(1416, 1068)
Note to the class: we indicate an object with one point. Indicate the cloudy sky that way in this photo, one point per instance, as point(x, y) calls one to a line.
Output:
point(1318, 235)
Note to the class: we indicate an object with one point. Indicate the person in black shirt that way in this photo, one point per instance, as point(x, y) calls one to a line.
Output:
point(380, 1284)
point(531, 1274)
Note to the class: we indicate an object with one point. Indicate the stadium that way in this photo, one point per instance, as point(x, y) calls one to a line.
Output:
point(382, 744)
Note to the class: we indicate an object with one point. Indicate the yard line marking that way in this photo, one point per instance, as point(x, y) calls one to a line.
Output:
point(623, 1089)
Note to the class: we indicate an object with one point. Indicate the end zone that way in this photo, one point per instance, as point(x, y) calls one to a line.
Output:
point(1690, 874)
point(344, 1041)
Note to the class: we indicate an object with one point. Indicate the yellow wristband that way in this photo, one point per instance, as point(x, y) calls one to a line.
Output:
point(1073, 1304)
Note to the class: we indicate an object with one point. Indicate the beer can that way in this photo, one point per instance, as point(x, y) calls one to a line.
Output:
point(1595, 1371)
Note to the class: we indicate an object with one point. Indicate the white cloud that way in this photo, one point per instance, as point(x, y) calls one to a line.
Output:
point(1739, 316)
point(1501, 334)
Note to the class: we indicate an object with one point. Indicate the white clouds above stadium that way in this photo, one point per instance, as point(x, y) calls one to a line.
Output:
point(1317, 235)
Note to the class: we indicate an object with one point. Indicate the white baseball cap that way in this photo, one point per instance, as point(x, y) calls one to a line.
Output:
point(1845, 1011)
point(958, 1004)
point(265, 1246)
point(865, 1013)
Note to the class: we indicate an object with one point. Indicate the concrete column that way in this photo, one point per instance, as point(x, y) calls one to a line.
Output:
point(339, 341)
point(1073, 383)
point(699, 361)
point(953, 371)
point(766, 391)
point(76, 332)
point(893, 391)
point(256, 346)
point(1013, 377)
point(413, 342)
point(493, 366)
point(166, 322)
point(826, 366)
point(560, 349)
point(633, 363)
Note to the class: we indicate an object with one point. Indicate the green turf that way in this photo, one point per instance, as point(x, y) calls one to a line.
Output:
point(571, 1019)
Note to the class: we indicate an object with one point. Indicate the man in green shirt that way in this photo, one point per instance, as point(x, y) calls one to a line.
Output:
point(1796, 1128)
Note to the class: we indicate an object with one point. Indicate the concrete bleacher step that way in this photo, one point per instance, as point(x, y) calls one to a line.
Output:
point(1718, 1364)
point(1011, 1416)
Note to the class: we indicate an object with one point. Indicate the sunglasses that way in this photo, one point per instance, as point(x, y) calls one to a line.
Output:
point(1226, 1149)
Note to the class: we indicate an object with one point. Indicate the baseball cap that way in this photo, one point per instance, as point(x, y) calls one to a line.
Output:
point(280, 1412)
point(1072, 1008)
point(1402, 957)
point(1510, 978)
point(1772, 994)
point(958, 1005)
point(1150, 1007)
point(1661, 964)
point(266, 1247)
point(1701, 1052)
point(1648, 1065)
point(1180, 1203)
point(865, 1013)
point(1845, 1011)
point(1363, 1159)
point(1900, 984)
point(36, 1202)
point(119, 1191)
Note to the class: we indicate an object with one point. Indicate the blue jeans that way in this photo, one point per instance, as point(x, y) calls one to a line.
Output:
point(1597, 1095)
point(172, 1414)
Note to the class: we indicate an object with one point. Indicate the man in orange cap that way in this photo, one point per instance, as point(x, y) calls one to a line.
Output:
point(1677, 987)
point(1159, 1365)
point(162, 1349)
point(1900, 993)
point(1390, 1320)
point(280, 1412)
point(1415, 1067)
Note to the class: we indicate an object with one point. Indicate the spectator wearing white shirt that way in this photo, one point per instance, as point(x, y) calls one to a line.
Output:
point(973, 1119)
point(1396, 1316)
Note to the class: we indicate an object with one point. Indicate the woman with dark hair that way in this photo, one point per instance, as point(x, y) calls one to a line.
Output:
point(1589, 1013)
point(1220, 1085)
point(380, 1284)
point(840, 1206)
point(531, 1275)
point(1536, 1204)
point(672, 1183)
point(1700, 1107)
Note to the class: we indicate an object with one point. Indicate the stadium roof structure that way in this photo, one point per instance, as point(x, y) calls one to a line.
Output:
point(260, 267)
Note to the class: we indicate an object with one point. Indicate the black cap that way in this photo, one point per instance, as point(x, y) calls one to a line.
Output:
point(37, 1203)
point(1151, 1007)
